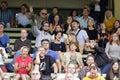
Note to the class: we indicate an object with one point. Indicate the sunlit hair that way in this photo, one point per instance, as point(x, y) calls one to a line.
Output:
point(76, 44)
point(24, 47)
point(111, 40)
point(108, 11)
point(93, 66)
point(72, 35)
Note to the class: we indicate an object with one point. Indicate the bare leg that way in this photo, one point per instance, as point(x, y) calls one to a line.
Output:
point(17, 77)
point(24, 77)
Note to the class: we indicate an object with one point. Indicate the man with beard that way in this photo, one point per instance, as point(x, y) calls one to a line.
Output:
point(40, 35)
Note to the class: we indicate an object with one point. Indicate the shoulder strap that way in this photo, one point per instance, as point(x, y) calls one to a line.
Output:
point(77, 33)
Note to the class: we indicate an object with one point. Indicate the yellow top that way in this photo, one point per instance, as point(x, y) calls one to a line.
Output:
point(109, 23)
point(96, 78)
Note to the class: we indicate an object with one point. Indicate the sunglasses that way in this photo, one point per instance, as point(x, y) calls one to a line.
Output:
point(44, 13)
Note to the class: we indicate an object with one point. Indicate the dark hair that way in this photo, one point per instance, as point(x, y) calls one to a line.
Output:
point(59, 19)
point(75, 21)
point(73, 11)
point(58, 32)
point(45, 40)
point(5, 2)
point(1, 23)
point(55, 8)
point(26, 6)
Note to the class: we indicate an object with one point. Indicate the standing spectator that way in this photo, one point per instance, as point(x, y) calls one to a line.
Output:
point(80, 34)
point(74, 14)
point(113, 48)
point(109, 20)
point(23, 64)
point(6, 15)
point(98, 8)
point(84, 19)
point(23, 18)
point(55, 10)
point(45, 63)
point(114, 73)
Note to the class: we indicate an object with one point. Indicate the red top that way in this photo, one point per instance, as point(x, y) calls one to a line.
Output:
point(26, 61)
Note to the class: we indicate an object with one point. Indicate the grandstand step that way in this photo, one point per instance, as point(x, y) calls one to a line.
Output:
point(16, 29)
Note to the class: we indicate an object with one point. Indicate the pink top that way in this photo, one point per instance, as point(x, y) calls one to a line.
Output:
point(26, 62)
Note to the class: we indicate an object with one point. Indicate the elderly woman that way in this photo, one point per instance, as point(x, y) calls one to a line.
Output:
point(23, 64)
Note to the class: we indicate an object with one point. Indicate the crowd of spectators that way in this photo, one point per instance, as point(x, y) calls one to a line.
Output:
point(60, 45)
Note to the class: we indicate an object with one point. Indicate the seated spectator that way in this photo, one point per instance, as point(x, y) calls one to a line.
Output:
point(57, 45)
point(72, 56)
point(6, 77)
point(6, 15)
point(35, 75)
point(57, 29)
point(4, 38)
point(84, 19)
point(68, 26)
point(71, 38)
point(91, 31)
point(55, 22)
point(55, 10)
point(45, 63)
point(118, 32)
point(93, 74)
point(22, 41)
point(116, 25)
point(101, 59)
point(113, 48)
point(70, 69)
point(85, 69)
point(44, 34)
point(104, 36)
point(23, 64)
point(114, 73)
point(80, 34)
point(3, 56)
point(74, 14)
point(23, 18)
point(109, 20)
point(53, 54)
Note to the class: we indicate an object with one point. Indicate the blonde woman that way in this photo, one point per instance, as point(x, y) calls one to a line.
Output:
point(23, 64)
point(71, 38)
point(109, 19)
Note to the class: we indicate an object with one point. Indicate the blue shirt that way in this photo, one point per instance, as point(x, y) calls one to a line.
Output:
point(4, 40)
point(6, 16)
point(51, 53)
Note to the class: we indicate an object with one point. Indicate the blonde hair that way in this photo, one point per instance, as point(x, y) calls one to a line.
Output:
point(111, 15)
point(24, 47)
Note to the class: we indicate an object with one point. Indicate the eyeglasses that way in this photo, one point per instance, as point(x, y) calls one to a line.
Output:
point(44, 13)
